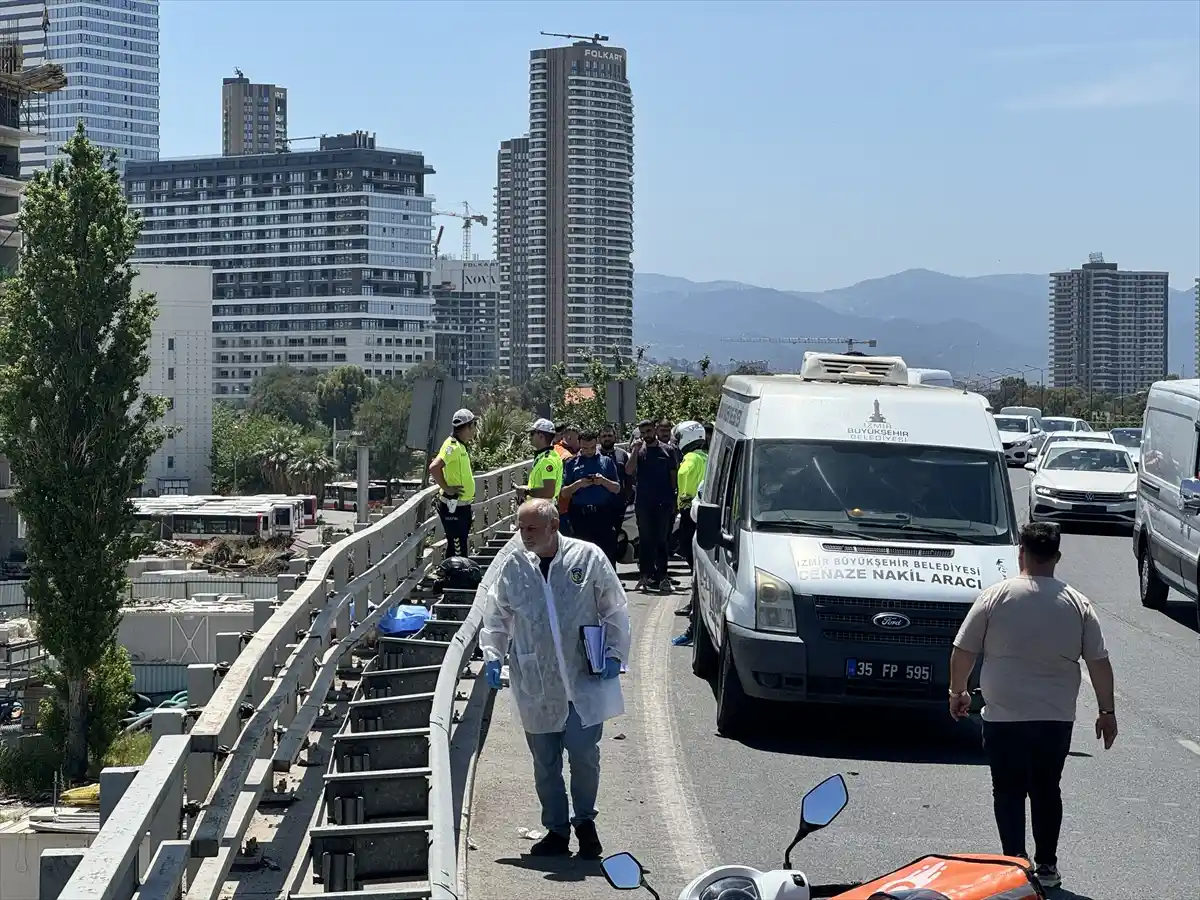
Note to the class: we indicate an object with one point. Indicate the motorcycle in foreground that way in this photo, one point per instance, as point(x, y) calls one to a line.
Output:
point(933, 877)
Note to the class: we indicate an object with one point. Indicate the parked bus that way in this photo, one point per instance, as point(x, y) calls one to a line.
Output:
point(343, 495)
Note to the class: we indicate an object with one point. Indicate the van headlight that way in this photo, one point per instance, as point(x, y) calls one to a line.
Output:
point(774, 604)
point(1132, 495)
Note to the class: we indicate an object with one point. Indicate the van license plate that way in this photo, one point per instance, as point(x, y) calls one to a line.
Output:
point(871, 670)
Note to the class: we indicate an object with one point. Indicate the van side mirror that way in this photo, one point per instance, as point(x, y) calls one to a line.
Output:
point(708, 525)
point(1030, 467)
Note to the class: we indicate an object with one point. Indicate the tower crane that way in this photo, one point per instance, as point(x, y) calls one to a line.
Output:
point(469, 218)
point(594, 38)
point(849, 342)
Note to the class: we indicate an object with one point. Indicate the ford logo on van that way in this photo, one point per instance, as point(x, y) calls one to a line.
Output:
point(891, 621)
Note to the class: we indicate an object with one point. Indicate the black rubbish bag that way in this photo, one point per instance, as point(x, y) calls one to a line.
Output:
point(459, 572)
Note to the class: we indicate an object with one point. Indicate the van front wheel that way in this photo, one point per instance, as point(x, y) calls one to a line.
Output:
point(733, 706)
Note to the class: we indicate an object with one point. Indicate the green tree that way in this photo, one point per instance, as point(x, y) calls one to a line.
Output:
point(110, 691)
point(287, 393)
point(500, 438)
point(384, 418)
point(74, 423)
point(310, 467)
point(239, 437)
point(425, 369)
point(339, 392)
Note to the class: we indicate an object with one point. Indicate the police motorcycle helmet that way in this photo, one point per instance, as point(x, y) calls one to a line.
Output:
point(688, 435)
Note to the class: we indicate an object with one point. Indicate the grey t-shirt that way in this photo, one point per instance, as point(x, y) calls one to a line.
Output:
point(1032, 633)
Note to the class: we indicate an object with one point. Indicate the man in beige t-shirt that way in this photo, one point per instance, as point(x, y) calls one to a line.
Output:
point(1032, 631)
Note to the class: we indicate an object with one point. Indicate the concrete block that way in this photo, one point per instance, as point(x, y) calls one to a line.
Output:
point(55, 869)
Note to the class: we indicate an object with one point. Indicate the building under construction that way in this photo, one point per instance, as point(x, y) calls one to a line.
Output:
point(23, 113)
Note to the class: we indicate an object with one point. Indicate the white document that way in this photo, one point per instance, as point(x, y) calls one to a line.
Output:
point(594, 645)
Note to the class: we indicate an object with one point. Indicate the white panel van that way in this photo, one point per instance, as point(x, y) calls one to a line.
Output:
point(1166, 529)
point(847, 522)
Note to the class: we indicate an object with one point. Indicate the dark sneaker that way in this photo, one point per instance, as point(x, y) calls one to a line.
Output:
point(642, 585)
point(553, 844)
point(649, 586)
point(589, 841)
point(684, 611)
point(1048, 877)
point(666, 586)
point(682, 640)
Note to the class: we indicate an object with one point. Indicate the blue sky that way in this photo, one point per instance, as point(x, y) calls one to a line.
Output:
point(792, 145)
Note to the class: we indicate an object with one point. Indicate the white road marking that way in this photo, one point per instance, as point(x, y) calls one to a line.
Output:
point(688, 832)
point(1189, 745)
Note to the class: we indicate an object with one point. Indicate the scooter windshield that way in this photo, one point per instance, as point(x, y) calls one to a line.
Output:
point(733, 888)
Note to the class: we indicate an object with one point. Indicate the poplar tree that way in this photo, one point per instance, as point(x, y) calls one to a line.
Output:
point(76, 428)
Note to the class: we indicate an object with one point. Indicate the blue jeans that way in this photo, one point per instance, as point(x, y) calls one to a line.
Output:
point(583, 752)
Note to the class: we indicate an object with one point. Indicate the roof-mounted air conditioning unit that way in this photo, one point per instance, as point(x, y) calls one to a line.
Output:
point(854, 369)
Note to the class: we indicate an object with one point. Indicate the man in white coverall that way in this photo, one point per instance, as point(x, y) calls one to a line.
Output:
point(540, 601)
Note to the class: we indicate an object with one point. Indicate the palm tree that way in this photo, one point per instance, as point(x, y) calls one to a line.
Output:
point(309, 468)
point(274, 457)
point(500, 438)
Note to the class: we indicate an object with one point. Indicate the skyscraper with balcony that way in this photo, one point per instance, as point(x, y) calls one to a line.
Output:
point(580, 210)
point(1108, 328)
point(320, 258)
point(512, 257)
point(108, 50)
point(253, 117)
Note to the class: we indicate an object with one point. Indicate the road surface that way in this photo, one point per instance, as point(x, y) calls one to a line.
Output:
point(682, 798)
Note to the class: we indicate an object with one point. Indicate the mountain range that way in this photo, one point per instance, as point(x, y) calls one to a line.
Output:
point(970, 326)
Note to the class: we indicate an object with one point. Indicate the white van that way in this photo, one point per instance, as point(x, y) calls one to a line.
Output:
point(1166, 528)
point(931, 377)
point(847, 522)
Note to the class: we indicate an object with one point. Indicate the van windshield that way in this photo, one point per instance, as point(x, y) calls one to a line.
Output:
point(927, 493)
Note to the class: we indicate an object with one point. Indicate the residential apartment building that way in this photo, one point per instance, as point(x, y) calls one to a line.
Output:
point(1196, 341)
point(180, 350)
point(580, 220)
point(466, 297)
point(320, 257)
point(109, 51)
point(253, 117)
point(512, 257)
point(1108, 328)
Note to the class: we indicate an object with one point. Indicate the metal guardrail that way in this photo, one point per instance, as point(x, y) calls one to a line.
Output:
point(278, 681)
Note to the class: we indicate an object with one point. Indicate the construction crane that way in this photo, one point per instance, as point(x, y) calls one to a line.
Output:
point(849, 342)
point(594, 38)
point(468, 219)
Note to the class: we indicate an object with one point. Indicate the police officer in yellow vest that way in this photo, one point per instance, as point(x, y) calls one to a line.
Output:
point(692, 443)
point(546, 475)
point(451, 470)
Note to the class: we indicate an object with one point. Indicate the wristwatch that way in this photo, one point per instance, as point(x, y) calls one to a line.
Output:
point(1108, 712)
point(954, 693)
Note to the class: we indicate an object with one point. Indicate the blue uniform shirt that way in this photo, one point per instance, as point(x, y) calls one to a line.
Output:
point(579, 467)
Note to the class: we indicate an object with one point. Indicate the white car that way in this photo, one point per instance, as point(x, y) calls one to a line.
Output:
point(1064, 423)
point(1044, 441)
point(1016, 434)
point(1083, 481)
point(1131, 440)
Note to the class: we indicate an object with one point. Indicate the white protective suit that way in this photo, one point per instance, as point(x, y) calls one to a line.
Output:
point(548, 668)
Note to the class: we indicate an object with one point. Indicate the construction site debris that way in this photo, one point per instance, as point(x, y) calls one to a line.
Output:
point(253, 557)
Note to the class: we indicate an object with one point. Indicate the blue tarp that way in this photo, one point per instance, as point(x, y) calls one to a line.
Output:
point(404, 620)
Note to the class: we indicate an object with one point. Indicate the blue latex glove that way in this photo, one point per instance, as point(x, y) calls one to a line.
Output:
point(491, 671)
point(612, 668)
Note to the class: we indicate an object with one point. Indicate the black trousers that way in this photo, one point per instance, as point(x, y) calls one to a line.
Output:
point(457, 526)
point(687, 530)
point(1027, 759)
point(654, 531)
point(595, 525)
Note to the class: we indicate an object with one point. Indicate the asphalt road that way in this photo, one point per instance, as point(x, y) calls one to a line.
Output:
point(1132, 824)
point(682, 798)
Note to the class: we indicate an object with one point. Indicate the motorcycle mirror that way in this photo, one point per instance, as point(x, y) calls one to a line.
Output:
point(623, 872)
point(822, 804)
point(819, 807)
